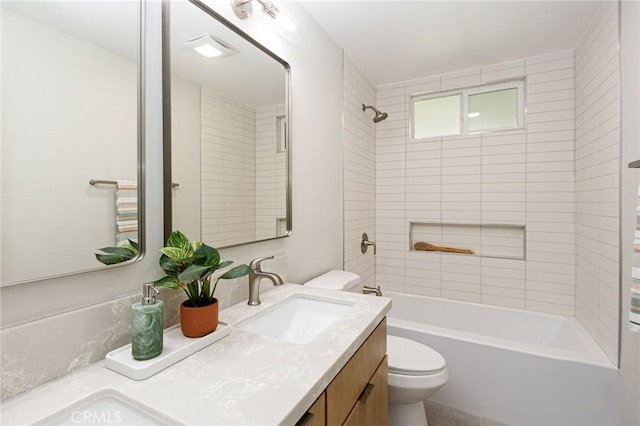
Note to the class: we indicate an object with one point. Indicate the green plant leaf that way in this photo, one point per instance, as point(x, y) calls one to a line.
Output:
point(224, 264)
point(128, 246)
point(117, 250)
point(169, 266)
point(168, 282)
point(134, 244)
point(238, 271)
point(175, 253)
point(178, 240)
point(207, 256)
point(111, 259)
point(193, 273)
point(114, 255)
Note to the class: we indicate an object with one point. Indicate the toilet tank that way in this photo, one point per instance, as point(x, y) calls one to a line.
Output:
point(336, 280)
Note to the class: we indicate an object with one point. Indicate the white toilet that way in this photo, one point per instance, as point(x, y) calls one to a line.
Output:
point(415, 371)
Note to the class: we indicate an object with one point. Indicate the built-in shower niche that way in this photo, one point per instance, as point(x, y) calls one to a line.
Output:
point(507, 241)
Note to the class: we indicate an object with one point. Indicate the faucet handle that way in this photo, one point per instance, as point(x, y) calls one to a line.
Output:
point(255, 263)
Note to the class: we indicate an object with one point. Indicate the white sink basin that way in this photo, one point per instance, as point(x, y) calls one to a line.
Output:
point(106, 408)
point(298, 319)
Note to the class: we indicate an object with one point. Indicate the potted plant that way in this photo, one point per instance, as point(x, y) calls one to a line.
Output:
point(189, 267)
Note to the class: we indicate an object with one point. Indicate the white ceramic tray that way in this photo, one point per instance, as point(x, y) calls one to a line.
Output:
point(176, 347)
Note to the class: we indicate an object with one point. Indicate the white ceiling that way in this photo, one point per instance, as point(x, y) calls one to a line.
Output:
point(393, 41)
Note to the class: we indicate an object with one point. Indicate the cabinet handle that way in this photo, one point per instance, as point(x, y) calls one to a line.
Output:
point(365, 393)
point(306, 419)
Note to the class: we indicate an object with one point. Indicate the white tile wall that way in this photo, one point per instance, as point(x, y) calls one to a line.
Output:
point(228, 170)
point(359, 171)
point(271, 177)
point(522, 177)
point(597, 183)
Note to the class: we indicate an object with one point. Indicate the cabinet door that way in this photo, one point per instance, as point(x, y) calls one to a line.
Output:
point(315, 416)
point(348, 385)
point(371, 409)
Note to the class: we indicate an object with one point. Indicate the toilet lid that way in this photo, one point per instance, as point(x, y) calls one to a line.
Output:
point(412, 358)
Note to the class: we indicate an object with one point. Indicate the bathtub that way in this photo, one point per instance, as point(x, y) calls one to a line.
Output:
point(515, 366)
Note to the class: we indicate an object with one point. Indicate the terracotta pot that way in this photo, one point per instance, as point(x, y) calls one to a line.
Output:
point(198, 321)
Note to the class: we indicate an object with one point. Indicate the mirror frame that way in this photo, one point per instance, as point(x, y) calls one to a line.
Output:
point(166, 115)
point(141, 160)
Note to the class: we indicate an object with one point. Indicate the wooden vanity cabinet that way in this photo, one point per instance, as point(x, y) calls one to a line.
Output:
point(317, 414)
point(357, 396)
point(372, 408)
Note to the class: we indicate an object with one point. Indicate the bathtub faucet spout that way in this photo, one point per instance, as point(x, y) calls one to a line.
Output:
point(370, 290)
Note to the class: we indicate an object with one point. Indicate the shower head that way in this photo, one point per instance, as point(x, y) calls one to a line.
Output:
point(379, 114)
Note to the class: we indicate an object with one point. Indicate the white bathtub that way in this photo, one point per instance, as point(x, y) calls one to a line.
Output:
point(518, 367)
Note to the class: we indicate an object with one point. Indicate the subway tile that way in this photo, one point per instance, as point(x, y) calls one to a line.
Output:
point(556, 95)
point(550, 298)
point(549, 57)
point(460, 79)
point(426, 85)
point(512, 293)
point(550, 308)
point(558, 64)
point(549, 86)
point(551, 126)
point(461, 295)
point(506, 302)
point(429, 289)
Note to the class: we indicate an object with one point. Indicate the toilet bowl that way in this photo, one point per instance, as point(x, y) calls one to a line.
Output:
point(415, 371)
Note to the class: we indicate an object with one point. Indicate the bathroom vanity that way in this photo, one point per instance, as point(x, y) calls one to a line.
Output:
point(245, 378)
point(358, 394)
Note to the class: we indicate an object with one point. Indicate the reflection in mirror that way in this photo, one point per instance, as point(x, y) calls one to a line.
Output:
point(634, 314)
point(229, 132)
point(70, 134)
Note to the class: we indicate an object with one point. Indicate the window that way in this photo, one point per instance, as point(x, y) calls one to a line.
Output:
point(473, 110)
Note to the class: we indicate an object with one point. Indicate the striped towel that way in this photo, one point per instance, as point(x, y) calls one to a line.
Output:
point(126, 211)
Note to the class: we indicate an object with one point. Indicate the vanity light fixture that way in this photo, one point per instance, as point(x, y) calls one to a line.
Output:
point(209, 47)
point(280, 20)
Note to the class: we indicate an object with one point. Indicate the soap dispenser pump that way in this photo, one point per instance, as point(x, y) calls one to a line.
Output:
point(147, 322)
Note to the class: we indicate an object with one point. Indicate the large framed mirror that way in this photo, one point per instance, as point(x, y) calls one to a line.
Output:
point(227, 131)
point(72, 139)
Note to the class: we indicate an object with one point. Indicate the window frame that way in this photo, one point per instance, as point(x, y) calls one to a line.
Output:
point(464, 94)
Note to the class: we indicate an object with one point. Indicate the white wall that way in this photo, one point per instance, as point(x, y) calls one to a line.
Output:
point(359, 171)
point(314, 247)
point(72, 99)
point(185, 155)
point(521, 177)
point(597, 161)
point(630, 85)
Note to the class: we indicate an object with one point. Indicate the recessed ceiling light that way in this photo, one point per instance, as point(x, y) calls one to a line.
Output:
point(209, 47)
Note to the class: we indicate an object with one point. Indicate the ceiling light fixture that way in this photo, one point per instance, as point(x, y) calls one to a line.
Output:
point(209, 47)
point(280, 20)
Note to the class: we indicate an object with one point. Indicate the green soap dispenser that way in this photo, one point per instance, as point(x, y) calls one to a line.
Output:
point(146, 331)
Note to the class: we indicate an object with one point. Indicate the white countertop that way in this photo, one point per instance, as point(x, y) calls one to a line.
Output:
point(244, 378)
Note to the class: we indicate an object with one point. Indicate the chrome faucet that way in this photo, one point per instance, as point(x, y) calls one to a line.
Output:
point(255, 276)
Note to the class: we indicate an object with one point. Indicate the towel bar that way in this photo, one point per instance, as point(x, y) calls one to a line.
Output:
point(113, 182)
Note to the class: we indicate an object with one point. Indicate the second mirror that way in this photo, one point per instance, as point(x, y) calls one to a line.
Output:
point(230, 141)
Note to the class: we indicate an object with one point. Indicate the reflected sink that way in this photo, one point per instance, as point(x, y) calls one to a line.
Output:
point(106, 408)
point(298, 319)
